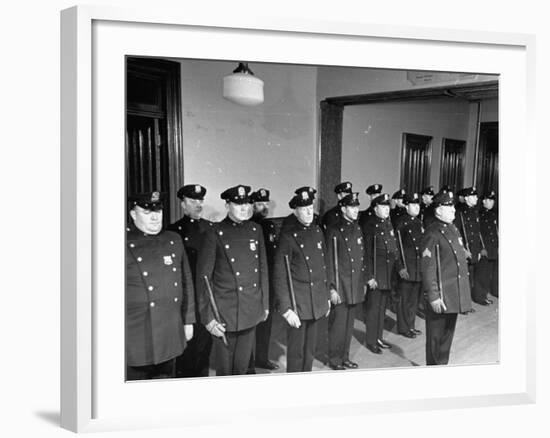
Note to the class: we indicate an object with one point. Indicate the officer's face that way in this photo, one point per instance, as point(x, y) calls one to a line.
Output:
point(305, 214)
point(192, 207)
point(488, 203)
point(350, 212)
point(427, 199)
point(445, 213)
point(239, 212)
point(148, 221)
point(413, 209)
point(471, 200)
point(261, 208)
point(382, 211)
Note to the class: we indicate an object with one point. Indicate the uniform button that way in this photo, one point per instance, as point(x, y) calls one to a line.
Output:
point(346, 239)
point(132, 245)
point(175, 283)
point(255, 284)
point(220, 233)
point(232, 260)
point(307, 257)
point(237, 273)
point(256, 270)
point(458, 264)
point(382, 233)
point(150, 288)
point(171, 242)
point(186, 238)
point(176, 299)
point(139, 259)
point(311, 283)
point(179, 228)
point(295, 235)
point(311, 270)
point(301, 245)
point(173, 255)
point(152, 304)
point(226, 246)
point(174, 269)
point(458, 275)
point(145, 273)
point(353, 270)
point(256, 256)
point(352, 260)
point(240, 288)
point(254, 228)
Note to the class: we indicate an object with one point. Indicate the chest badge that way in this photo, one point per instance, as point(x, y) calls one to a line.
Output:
point(252, 246)
point(427, 253)
point(272, 237)
point(359, 240)
point(391, 232)
point(319, 245)
point(168, 260)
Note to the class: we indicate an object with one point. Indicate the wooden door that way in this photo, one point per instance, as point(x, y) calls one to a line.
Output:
point(154, 149)
point(487, 168)
point(415, 162)
point(452, 164)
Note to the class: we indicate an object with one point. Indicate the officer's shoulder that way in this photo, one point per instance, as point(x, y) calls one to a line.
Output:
point(171, 236)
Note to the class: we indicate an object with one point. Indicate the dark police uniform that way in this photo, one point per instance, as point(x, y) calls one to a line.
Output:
point(410, 230)
point(397, 212)
point(351, 283)
point(195, 360)
point(263, 329)
point(488, 269)
point(367, 214)
point(233, 259)
point(305, 248)
point(159, 301)
point(455, 291)
point(333, 215)
point(467, 223)
point(427, 210)
point(378, 233)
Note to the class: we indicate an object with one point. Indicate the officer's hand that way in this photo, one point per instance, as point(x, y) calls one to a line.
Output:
point(468, 254)
point(438, 306)
point(266, 314)
point(188, 331)
point(334, 297)
point(404, 274)
point(215, 328)
point(292, 318)
point(484, 253)
point(372, 283)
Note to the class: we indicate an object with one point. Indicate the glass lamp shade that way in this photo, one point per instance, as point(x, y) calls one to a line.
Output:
point(243, 88)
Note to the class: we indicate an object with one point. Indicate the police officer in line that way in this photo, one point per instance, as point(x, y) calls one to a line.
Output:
point(426, 207)
point(160, 304)
point(444, 280)
point(409, 232)
point(233, 260)
point(346, 250)
point(381, 252)
point(302, 242)
point(467, 223)
point(260, 203)
point(332, 216)
point(289, 220)
point(195, 360)
point(397, 206)
point(488, 220)
point(372, 192)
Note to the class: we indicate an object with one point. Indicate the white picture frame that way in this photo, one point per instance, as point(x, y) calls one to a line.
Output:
point(94, 41)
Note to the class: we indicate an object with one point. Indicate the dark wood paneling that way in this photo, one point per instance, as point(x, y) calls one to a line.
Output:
point(416, 155)
point(452, 163)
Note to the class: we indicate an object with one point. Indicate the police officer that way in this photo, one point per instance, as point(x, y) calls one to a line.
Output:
point(194, 362)
point(332, 215)
point(467, 223)
point(345, 248)
point(160, 305)
point(381, 255)
point(398, 206)
point(488, 219)
point(233, 260)
point(409, 232)
point(444, 280)
point(426, 209)
point(372, 192)
point(289, 220)
point(261, 203)
point(302, 243)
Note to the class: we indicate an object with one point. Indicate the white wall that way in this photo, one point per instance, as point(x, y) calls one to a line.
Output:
point(272, 145)
point(372, 138)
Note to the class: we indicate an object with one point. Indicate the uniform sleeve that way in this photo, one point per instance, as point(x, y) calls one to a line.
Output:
point(188, 307)
point(264, 270)
point(368, 237)
point(280, 282)
point(399, 243)
point(429, 267)
point(205, 268)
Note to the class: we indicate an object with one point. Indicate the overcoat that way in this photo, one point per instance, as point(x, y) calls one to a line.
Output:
point(488, 220)
point(159, 297)
point(410, 229)
point(379, 233)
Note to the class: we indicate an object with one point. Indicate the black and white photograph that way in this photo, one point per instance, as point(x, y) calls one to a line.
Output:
point(287, 218)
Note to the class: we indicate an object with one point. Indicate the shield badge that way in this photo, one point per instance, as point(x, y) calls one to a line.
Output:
point(319, 245)
point(272, 237)
point(359, 240)
point(168, 260)
point(252, 245)
point(391, 232)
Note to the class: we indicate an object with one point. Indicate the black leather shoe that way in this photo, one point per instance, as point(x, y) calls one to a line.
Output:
point(416, 332)
point(483, 303)
point(374, 348)
point(409, 334)
point(488, 301)
point(350, 364)
point(337, 367)
point(383, 344)
point(267, 365)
